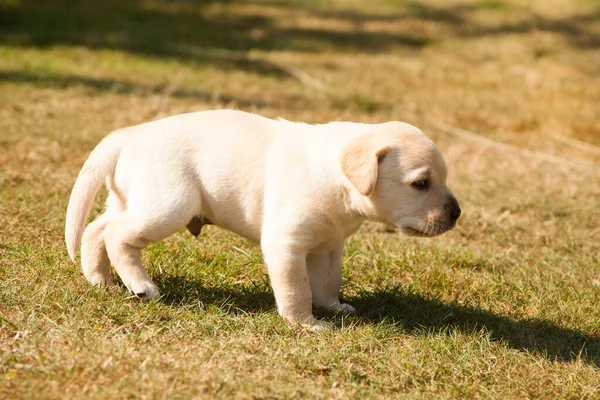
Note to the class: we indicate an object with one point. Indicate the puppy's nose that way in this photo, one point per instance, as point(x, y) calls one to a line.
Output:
point(455, 213)
point(453, 208)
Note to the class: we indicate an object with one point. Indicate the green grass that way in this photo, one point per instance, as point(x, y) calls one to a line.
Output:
point(504, 306)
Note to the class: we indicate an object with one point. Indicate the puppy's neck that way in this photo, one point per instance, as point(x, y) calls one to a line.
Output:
point(359, 206)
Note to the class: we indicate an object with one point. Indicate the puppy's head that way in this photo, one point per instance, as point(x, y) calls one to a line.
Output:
point(402, 177)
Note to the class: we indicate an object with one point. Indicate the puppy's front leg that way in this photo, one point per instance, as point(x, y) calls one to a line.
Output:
point(325, 276)
point(287, 270)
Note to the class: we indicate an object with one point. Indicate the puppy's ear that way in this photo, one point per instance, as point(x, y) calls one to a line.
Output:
point(360, 162)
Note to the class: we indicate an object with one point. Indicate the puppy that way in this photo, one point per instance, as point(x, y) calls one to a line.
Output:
point(298, 190)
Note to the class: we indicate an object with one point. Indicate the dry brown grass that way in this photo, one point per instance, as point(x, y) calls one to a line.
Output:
point(505, 306)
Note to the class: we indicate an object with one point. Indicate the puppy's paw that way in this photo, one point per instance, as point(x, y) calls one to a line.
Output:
point(319, 326)
point(340, 309)
point(345, 309)
point(101, 280)
point(311, 324)
point(145, 290)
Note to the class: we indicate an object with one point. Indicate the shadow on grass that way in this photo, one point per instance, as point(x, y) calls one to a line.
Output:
point(63, 81)
point(192, 32)
point(177, 30)
point(409, 313)
point(455, 17)
point(179, 290)
point(200, 33)
point(412, 312)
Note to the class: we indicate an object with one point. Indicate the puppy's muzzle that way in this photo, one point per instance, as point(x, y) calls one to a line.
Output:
point(442, 224)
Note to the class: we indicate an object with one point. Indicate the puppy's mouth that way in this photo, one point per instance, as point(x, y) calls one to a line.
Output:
point(407, 230)
point(428, 231)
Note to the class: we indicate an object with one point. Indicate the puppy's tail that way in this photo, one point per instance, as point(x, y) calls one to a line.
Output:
point(101, 163)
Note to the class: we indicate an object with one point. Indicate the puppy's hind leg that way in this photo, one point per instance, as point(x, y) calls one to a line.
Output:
point(155, 209)
point(124, 238)
point(94, 258)
point(127, 234)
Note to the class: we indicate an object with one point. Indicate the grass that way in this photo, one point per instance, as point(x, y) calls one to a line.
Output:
point(504, 306)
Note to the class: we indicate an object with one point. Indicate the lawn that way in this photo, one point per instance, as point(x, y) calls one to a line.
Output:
point(507, 305)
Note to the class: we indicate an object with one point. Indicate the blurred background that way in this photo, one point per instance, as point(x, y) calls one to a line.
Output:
point(505, 69)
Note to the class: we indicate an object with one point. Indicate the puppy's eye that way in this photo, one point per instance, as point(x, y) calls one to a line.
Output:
point(421, 184)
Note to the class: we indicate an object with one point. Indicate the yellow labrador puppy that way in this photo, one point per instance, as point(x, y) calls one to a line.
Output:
point(299, 190)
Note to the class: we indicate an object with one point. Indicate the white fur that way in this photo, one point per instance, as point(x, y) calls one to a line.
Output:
point(299, 190)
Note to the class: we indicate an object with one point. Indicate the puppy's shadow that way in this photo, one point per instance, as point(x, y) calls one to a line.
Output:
point(409, 313)
point(412, 313)
point(255, 296)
